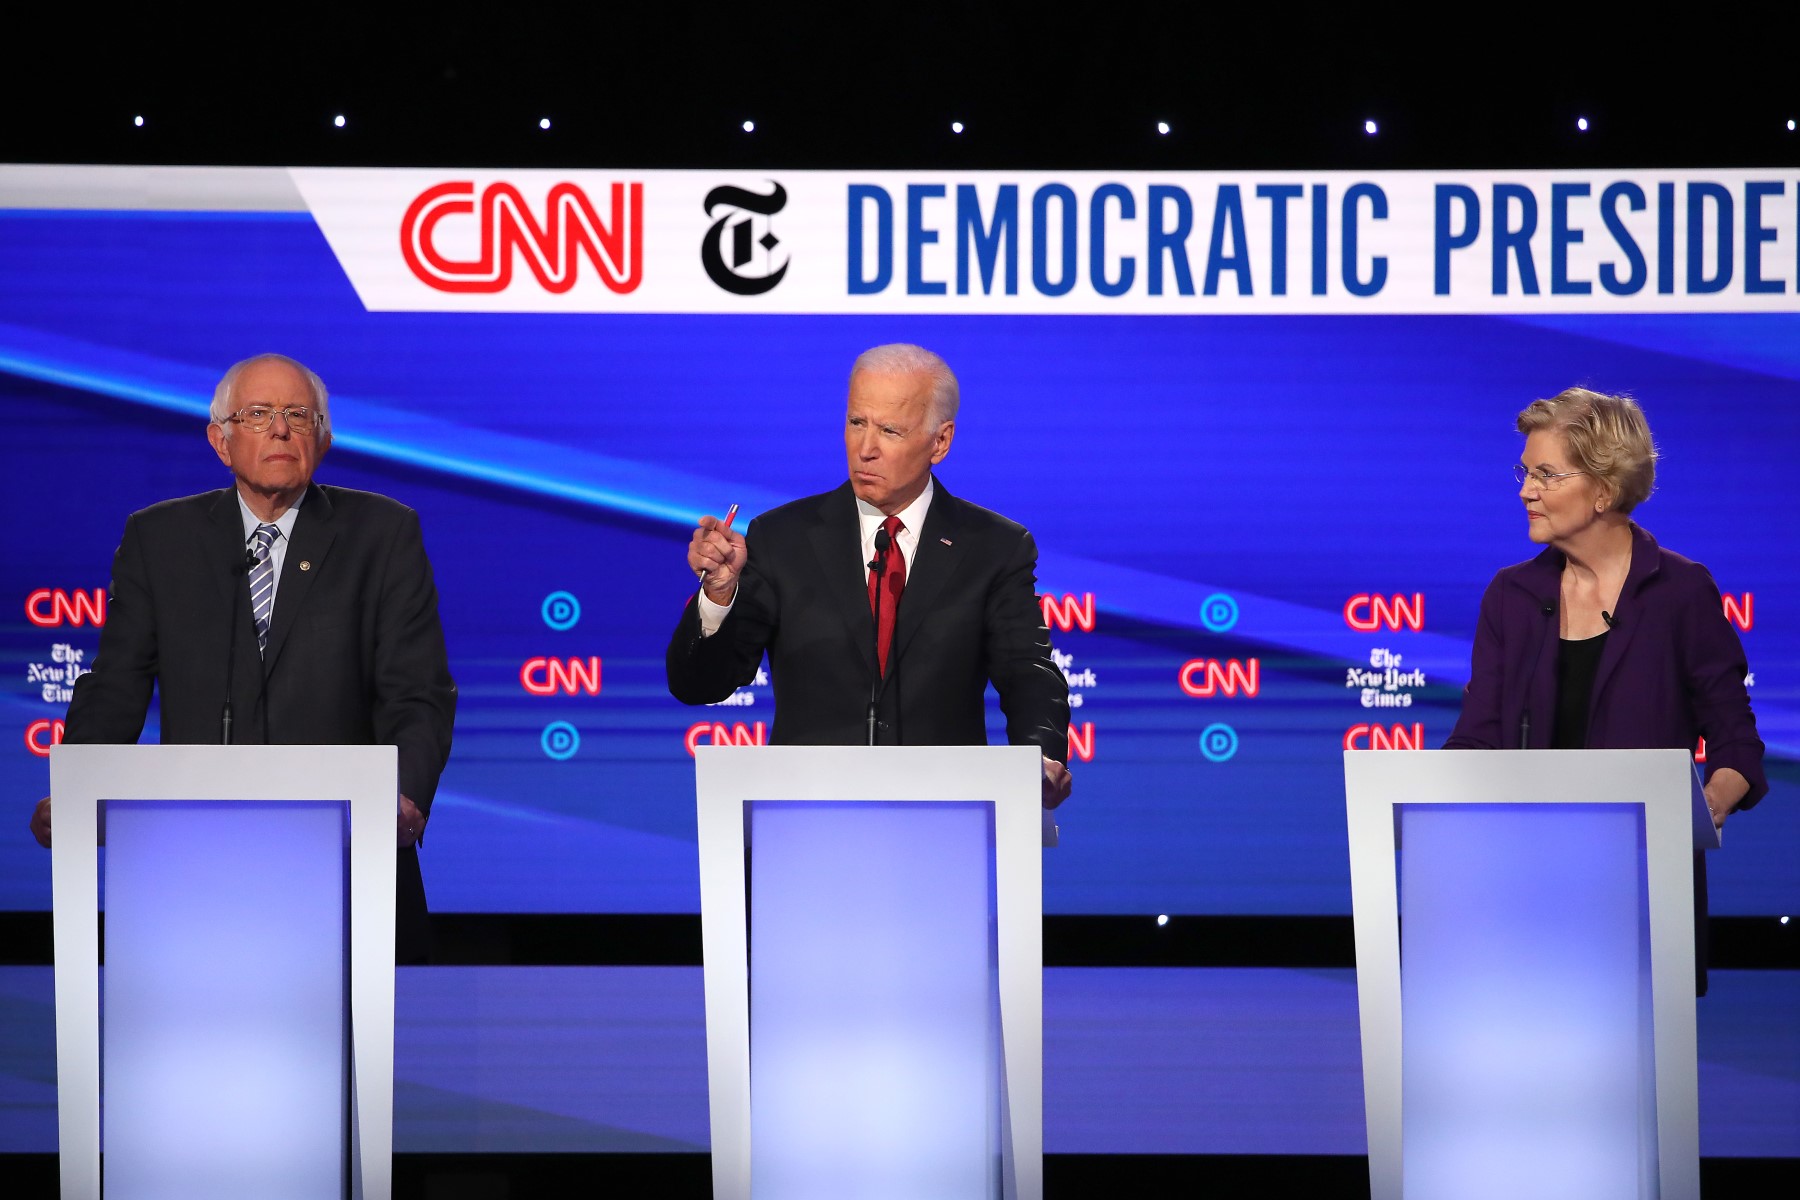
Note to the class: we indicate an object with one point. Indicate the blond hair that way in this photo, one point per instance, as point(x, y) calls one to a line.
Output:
point(1607, 437)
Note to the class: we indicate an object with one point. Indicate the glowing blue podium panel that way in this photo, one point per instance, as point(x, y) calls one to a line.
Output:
point(874, 1013)
point(873, 1002)
point(249, 998)
point(1525, 974)
point(224, 1052)
point(1525, 1015)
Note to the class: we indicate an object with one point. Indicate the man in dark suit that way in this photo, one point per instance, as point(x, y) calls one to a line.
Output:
point(319, 598)
point(888, 569)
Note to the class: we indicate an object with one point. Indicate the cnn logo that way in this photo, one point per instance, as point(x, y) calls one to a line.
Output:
point(1393, 737)
point(505, 230)
point(1069, 613)
point(49, 607)
point(1366, 612)
point(548, 676)
point(715, 733)
point(1204, 678)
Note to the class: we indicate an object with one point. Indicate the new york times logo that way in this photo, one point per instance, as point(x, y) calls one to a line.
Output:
point(738, 268)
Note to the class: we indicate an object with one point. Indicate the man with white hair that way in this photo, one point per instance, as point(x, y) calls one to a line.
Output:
point(885, 606)
point(278, 611)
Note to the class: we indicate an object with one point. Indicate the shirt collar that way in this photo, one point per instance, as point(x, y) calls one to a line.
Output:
point(912, 516)
point(285, 522)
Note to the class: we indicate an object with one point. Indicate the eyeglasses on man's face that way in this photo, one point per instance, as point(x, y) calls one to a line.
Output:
point(258, 417)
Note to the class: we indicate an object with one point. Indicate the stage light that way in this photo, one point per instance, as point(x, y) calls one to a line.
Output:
point(139, 122)
point(1162, 918)
point(338, 120)
point(543, 122)
point(749, 126)
point(1784, 920)
point(1162, 127)
point(1790, 124)
point(1369, 128)
point(1581, 124)
point(956, 127)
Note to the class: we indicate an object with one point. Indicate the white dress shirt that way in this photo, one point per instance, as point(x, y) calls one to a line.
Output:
point(278, 551)
point(912, 520)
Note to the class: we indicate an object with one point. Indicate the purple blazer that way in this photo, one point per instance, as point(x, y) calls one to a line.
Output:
point(1672, 671)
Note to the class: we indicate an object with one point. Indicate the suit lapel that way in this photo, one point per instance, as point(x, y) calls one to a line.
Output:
point(837, 543)
point(228, 545)
point(315, 528)
point(1541, 581)
point(1644, 564)
point(934, 562)
point(230, 577)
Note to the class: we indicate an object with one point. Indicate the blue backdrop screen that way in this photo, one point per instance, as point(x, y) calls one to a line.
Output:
point(1255, 506)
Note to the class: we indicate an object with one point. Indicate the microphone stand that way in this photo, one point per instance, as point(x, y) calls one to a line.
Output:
point(879, 566)
point(237, 607)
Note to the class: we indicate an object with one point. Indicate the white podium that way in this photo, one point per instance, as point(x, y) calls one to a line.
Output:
point(249, 978)
point(873, 935)
point(1533, 1032)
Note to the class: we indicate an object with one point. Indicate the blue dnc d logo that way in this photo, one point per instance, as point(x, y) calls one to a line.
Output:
point(560, 740)
point(1218, 742)
point(561, 610)
point(1218, 612)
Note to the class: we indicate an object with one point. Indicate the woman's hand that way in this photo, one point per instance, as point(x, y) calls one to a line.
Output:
point(1723, 791)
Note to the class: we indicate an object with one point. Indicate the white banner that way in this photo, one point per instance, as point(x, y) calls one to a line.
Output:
point(1087, 243)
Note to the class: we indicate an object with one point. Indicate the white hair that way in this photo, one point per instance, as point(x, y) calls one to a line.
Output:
point(321, 399)
point(903, 358)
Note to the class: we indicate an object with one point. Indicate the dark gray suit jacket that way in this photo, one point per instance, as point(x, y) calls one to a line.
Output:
point(355, 655)
point(969, 616)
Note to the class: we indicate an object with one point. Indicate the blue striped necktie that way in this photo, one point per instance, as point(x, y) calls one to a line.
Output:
point(262, 582)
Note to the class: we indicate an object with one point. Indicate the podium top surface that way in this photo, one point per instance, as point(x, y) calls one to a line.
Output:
point(222, 772)
point(923, 773)
point(1655, 778)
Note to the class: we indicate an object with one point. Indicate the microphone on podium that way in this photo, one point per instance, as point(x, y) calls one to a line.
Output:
point(878, 564)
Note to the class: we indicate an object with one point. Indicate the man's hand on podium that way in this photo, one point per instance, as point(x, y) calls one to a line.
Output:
point(1057, 783)
point(412, 822)
point(40, 822)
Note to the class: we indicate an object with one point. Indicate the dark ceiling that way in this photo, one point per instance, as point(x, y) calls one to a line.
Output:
point(878, 85)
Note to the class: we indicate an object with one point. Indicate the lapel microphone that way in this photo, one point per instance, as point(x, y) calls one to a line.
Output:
point(237, 607)
point(878, 564)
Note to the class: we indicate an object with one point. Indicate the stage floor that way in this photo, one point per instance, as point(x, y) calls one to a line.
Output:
point(1139, 1061)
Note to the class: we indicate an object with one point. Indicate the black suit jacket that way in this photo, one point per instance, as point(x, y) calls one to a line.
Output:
point(355, 655)
point(970, 615)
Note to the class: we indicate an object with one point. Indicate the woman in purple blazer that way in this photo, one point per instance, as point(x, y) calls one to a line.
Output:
point(1606, 640)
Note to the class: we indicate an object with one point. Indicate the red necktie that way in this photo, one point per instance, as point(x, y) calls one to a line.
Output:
point(894, 583)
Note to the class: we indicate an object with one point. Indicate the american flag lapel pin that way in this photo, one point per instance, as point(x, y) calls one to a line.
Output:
point(946, 541)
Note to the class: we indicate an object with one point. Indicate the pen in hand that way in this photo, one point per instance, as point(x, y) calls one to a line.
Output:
point(730, 516)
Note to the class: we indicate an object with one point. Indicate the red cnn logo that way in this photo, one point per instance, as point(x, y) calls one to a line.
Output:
point(553, 251)
point(718, 734)
point(49, 607)
point(1367, 613)
point(36, 732)
point(1374, 737)
point(548, 676)
point(1069, 613)
point(1081, 741)
point(1740, 610)
point(1203, 678)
